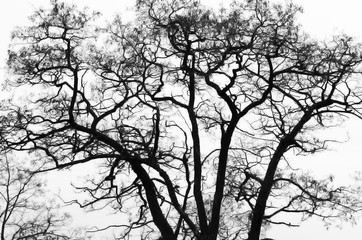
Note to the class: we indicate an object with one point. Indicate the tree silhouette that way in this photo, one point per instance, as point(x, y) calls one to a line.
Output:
point(193, 116)
point(24, 212)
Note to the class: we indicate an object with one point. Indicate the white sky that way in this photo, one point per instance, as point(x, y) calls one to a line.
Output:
point(321, 19)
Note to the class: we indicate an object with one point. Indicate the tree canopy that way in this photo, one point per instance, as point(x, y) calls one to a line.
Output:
point(24, 211)
point(193, 115)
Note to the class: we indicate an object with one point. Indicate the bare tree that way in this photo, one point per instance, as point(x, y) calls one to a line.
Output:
point(25, 212)
point(193, 115)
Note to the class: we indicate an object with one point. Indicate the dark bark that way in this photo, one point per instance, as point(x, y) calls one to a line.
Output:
point(157, 215)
